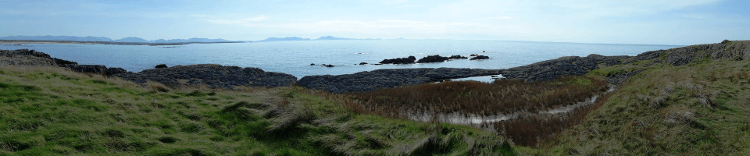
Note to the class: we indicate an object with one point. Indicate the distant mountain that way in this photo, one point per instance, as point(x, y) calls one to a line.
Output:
point(271, 39)
point(56, 38)
point(132, 39)
point(332, 38)
point(205, 40)
point(104, 39)
point(202, 40)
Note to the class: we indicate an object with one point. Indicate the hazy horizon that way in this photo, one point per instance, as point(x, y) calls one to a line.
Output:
point(670, 22)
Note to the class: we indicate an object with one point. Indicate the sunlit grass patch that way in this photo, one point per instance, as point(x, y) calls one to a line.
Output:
point(699, 108)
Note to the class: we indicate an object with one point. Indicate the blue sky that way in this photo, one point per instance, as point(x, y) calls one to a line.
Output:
point(680, 22)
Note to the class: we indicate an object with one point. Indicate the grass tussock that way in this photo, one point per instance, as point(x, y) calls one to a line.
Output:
point(49, 111)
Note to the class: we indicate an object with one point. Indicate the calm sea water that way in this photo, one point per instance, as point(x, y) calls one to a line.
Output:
point(295, 57)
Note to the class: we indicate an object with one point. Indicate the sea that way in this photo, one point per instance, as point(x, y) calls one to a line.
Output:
point(296, 57)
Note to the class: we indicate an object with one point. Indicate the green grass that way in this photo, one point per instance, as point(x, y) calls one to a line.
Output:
point(697, 109)
point(45, 111)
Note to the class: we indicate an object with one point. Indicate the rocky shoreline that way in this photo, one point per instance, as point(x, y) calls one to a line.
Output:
point(228, 77)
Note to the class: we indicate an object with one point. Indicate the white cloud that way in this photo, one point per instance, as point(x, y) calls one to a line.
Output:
point(500, 18)
point(240, 21)
point(598, 8)
point(389, 28)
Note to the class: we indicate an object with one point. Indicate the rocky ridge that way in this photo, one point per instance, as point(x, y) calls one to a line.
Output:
point(564, 66)
point(25, 57)
point(215, 76)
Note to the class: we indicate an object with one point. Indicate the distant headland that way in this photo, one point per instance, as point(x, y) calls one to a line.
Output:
point(105, 40)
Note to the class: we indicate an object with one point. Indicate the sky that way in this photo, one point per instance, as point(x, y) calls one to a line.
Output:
point(676, 22)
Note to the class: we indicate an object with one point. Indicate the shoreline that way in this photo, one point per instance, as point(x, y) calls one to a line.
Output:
point(380, 78)
point(106, 42)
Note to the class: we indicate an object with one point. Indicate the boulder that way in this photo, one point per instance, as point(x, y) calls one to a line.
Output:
point(457, 57)
point(408, 60)
point(95, 69)
point(480, 57)
point(433, 58)
point(161, 66)
point(113, 71)
point(362, 63)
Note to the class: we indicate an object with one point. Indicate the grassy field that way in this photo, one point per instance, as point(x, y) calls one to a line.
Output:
point(702, 108)
point(50, 111)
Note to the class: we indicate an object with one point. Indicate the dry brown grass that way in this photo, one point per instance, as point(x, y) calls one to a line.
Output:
point(471, 97)
point(533, 130)
point(499, 97)
point(23, 70)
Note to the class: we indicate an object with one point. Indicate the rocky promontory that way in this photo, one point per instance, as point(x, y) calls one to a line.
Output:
point(215, 76)
point(387, 78)
point(25, 57)
point(564, 66)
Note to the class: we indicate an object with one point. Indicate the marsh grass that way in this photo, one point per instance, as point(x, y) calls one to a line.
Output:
point(472, 97)
point(52, 111)
point(477, 98)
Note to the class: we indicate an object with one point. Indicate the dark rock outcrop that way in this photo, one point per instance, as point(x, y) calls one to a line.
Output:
point(386, 78)
point(408, 60)
point(433, 58)
point(735, 50)
point(95, 69)
point(362, 63)
point(161, 66)
point(113, 71)
point(25, 57)
point(480, 57)
point(215, 76)
point(564, 66)
point(458, 57)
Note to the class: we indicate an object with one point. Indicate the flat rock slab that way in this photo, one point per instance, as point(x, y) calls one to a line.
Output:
point(387, 78)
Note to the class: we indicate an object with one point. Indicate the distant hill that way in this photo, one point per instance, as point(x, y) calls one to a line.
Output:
point(332, 38)
point(307, 39)
point(132, 39)
point(104, 39)
point(57, 38)
point(271, 39)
